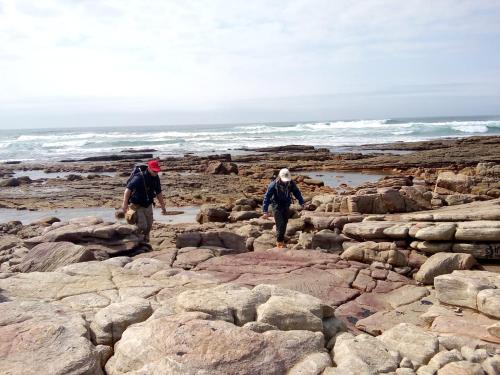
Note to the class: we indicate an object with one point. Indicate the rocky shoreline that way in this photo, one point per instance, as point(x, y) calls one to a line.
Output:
point(397, 276)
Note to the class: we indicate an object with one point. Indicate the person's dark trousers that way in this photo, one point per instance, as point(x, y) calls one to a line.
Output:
point(281, 220)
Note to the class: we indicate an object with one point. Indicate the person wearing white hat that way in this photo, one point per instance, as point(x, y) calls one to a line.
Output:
point(279, 196)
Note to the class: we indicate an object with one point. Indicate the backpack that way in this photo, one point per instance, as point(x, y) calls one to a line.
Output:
point(288, 191)
point(139, 169)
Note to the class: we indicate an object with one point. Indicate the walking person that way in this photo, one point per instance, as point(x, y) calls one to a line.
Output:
point(138, 199)
point(279, 196)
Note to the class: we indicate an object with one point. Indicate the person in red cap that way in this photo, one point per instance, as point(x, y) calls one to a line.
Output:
point(139, 196)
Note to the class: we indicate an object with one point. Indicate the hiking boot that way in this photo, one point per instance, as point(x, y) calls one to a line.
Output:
point(280, 245)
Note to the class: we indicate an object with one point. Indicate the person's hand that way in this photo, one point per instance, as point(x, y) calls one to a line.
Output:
point(265, 216)
point(124, 208)
point(163, 211)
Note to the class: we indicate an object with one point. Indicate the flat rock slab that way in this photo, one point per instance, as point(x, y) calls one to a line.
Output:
point(37, 338)
point(189, 344)
point(51, 255)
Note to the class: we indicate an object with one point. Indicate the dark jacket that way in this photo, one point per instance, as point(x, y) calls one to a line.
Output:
point(144, 189)
point(279, 195)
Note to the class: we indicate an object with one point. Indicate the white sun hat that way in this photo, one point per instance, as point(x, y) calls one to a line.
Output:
point(285, 175)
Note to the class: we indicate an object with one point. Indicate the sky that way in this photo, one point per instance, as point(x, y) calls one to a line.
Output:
point(161, 62)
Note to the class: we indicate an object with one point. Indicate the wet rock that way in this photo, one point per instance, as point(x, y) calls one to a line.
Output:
point(211, 213)
point(328, 240)
point(443, 263)
point(10, 182)
point(219, 167)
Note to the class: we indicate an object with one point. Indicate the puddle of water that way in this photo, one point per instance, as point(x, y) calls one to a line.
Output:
point(38, 174)
point(107, 214)
point(335, 178)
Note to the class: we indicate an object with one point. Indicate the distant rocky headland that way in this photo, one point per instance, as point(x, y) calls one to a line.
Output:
point(400, 275)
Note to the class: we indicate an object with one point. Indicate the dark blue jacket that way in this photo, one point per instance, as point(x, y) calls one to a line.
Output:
point(144, 189)
point(280, 195)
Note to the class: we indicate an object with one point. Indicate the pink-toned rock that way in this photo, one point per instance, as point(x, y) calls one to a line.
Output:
point(470, 325)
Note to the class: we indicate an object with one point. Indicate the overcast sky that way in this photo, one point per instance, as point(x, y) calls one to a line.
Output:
point(155, 62)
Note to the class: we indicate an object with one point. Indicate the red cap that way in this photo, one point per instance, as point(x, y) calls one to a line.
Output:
point(154, 165)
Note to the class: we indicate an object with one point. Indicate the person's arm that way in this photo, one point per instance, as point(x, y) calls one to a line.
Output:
point(267, 200)
point(162, 203)
point(159, 195)
point(298, 195)
point(126, 196)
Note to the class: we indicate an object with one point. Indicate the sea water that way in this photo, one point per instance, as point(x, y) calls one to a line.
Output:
point(171, 140)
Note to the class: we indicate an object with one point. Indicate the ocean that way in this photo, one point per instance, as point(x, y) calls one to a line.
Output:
point(63, 143)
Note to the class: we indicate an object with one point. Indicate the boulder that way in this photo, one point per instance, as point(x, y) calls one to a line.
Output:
point(10, 182)
point(478, 231)
point(328, 240)
point(211, 213)
point(376, 252)
point(188, 239)
point(492, 365)
point(461, 368)
point(287, 314)
point(444, 357)
point(461, 288)
point(488, 302)
point(494, 330)
point(367, 230)
point(439, 232)
point(8, 242)
point(412, 342)
point(443, 263)
point(44, 339)
point(189, 257)
point(110, 322)
point(313, 364)
point(264, 242)
point(294, 226)
point(363, 354)
point(49, 256)
point(432, 246)
point(219, 167)
point(243, 215)
point(478, 250)
point(449, 182)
